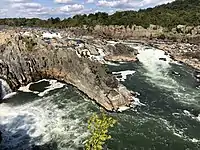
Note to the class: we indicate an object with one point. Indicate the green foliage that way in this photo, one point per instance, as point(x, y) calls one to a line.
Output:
point(98, 126)
point(185, 12)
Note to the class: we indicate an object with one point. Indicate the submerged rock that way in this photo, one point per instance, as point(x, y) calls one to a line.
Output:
point(175, 73)
point(164, 59)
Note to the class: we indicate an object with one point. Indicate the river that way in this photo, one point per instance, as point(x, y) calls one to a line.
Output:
point(54, 115)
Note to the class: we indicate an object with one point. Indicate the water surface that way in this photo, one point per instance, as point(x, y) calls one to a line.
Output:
point(167, 118)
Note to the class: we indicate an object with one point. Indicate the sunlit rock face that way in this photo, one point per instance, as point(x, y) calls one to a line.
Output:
point(30, 58)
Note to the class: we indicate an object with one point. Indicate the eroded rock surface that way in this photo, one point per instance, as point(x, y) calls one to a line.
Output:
point(29, 57)
point(121, 53)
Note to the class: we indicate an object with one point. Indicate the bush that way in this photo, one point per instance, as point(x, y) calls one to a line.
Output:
point(98, 126)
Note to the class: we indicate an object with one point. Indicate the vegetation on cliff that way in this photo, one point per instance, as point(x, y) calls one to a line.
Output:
point(98, 126)
point(186, 12)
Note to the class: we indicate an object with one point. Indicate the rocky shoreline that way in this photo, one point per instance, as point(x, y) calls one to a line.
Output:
point(186, 53)
point(28, 56)
point(31, 54)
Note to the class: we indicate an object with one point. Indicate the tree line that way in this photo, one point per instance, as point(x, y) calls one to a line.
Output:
point(185, 12)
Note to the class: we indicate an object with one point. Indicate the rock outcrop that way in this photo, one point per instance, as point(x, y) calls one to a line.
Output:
point(24, 59)
point(122, 32)
point(121, 53)
point(186, 53)
point(181, 33)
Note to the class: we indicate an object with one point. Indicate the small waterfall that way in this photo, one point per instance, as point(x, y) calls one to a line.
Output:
point(4, 89)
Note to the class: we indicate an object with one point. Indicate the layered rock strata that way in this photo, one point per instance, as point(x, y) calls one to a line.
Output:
point(24, 59)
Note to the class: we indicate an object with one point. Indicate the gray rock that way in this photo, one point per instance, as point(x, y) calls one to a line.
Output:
point(24, 62)
point(92, 49)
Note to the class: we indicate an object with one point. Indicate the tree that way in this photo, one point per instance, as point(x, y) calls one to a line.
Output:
point(169, 15)
point(98, 126)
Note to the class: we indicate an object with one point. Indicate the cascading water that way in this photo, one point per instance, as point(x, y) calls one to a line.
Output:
point(59, 116)
point(168, 120)
point(4, 89)
point(168, 90)
point(159, 72)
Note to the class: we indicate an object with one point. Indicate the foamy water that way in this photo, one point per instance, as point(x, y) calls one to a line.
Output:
point(4, 89)
point(54, 84)
point(166, 117)
point(158, 73)
point(42, 120)
point(124, 74)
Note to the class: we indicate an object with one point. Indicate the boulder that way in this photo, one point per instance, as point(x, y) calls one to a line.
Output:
point(92, 49)
point(175, 73)
point(164, 59)
point(122, 49)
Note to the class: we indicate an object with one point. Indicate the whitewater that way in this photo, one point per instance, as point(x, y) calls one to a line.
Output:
point(167, 115)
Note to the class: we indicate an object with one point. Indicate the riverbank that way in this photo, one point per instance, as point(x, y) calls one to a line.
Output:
point(30, 55)
point(186, 53)
point(167, 110)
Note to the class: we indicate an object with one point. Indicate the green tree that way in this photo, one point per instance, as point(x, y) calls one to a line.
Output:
point(98, 126)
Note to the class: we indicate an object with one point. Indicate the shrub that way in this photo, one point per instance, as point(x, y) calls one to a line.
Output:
point(98, 126)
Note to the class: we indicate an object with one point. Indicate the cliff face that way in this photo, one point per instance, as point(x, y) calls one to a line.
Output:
point(180, 33)
point(122, 32)
point(24, 59)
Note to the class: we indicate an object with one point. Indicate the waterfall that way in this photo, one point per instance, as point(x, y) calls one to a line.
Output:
point(4, 89)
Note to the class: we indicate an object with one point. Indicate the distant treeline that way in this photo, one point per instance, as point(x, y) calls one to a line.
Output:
point(185, 12)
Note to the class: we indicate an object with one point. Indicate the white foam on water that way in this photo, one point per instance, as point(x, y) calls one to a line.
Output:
point(177, 132)
point(176, 62)
point(42, 121)
point(157, 73)
point(10, 95)
point(156, 69)
point(54, 84)
point(5, 89)
point(26, 88)
point(123, 108)
point(51, 35)
point(124, 74)
point(198, 118)
point(137, 102)
point(187, 113)
point(111, 63)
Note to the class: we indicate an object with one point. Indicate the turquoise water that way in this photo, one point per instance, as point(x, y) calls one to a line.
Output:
point(168, 117)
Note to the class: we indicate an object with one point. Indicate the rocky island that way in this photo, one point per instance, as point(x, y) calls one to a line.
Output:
point(28, 56)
